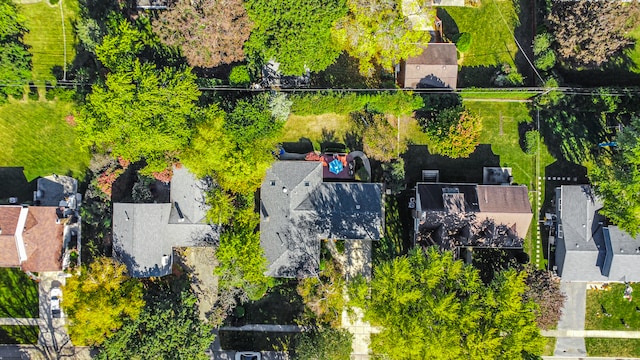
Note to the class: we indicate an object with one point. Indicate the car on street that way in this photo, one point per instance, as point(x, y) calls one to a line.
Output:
point(248, 355)
point(55, 296)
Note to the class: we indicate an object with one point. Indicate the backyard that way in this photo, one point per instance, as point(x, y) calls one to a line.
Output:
point(18, 295)
point(39, 135)
point(47, 38)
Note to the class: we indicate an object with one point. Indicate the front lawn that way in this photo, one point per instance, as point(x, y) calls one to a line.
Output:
point(38, 136)
point(607, 347)
point(47, 38)
point(602, 303)
point(19, 334)
point(18, 294)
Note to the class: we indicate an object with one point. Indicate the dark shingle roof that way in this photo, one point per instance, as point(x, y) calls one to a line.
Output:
point(298, 209)
point(144, 235)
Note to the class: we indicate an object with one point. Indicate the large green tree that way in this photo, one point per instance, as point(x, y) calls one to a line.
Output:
point(453, 132)
point(99, 301)
point(295, 33)
point(168, 328)
point(376, 32)
point(15, 59)
point(615, 174)
point(430, 306)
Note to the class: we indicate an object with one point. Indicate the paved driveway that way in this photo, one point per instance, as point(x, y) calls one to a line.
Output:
point(53, 336)
point(573, 313)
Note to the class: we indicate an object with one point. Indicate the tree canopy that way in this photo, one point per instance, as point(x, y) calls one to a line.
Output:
point(324, 344)
point(432, 306)
point(209, 32)
point(453, 132)
point(376, 32)
point(615, 175)
point(167, 328)
point(15, 59)
point(99, 301)
point(295, 33)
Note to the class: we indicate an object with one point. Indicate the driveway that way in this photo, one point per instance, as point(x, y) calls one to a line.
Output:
point(53, 335)
point(573, 313)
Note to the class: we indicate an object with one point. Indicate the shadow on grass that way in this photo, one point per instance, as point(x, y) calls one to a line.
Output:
point(463, 170)
point(280, 306)
point(18, 294)
point(398, 229)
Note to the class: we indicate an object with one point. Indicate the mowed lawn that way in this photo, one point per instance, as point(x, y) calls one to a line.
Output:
point(607, 347)
point(491, 26)
point(18, 294)
point(37, 137)
point(47, 38)
point(622, 311)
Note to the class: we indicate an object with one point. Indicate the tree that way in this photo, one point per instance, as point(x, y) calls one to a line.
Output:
point(544, 290)
point(379, 138)
point(590, 33)
point(324, 344)
point(294, 33)
point(237, 149)
point(99, 301)
point(167, 328)
point(141, 112)
point(453, 132)
point(429, 305)
point(323, 295)
point(209, 32)
point(376, 32)
point(15, 59)
point(615, 175)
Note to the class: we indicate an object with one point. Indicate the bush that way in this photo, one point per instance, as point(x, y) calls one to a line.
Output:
point(546, 60)
point(541, 43)
point(280, 106)
point(531, 141)
point(239, 76)
point(463, 42)
point(33, 92)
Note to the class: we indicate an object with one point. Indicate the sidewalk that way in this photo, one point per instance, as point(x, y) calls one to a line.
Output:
point(592, 333)
point(572, 319)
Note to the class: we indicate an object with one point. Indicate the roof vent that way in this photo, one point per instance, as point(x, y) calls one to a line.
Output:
point(577, 245)
point(180, 214)
point(621, 250)
point(165, 260)
point(357, 206)
point(284, 190)
point(273, 183)
point(306, 183)
point(126, 214)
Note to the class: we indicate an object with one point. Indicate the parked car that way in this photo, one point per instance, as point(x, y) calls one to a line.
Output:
point(248, 355)
point(55, 296)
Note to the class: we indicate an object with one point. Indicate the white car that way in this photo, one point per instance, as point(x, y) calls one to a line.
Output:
point(55, 296)
point(248, 355)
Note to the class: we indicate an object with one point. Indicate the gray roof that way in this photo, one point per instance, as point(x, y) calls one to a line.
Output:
point(588, 249)
point(298, 209)
point(144, 235)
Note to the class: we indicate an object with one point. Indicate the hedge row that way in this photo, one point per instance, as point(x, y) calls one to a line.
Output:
point(396, 103)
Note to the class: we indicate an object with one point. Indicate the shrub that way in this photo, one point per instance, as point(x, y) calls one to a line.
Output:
point(541, 43)
point(280, 106)
point(239, 76)
point(463, 43)
point(454, 133)
point(546, 60)
point(396, 103)
point(33, 92)
point(531, 141)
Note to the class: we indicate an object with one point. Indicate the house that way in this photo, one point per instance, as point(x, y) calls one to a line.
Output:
point(470, 215)
point(144, 235)
point(435, 67)
point(39, 235)
point(588, 248)
point(298, 209)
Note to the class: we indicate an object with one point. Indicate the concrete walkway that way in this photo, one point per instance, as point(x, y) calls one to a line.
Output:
point(32, 352)
point(22, 321)
point(572, 319)
point(592, 333)
point(264, 327)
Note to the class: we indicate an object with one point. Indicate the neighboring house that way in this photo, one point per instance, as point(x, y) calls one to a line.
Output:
point(144, 235)
point(38, 235)
point(469, 215)
point(298, 209)
point(587, 247)
point(435, 67)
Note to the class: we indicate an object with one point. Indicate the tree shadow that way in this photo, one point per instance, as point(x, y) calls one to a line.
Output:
point(462, 170)
point(449, 26)
point(479, 76)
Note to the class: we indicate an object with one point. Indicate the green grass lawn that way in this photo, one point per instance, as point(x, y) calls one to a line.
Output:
point(492, 44)
point(607, 347)
point(500, 121)
point(496, 94)
point(19, 334)
point(18, 294)
point(37, 136)
point(612, 302)
point(45, 36)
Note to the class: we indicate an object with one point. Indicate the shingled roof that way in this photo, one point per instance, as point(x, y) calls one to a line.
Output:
point(451, 215)
point(144, 235)
point(298, 209)
point(436, 66)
